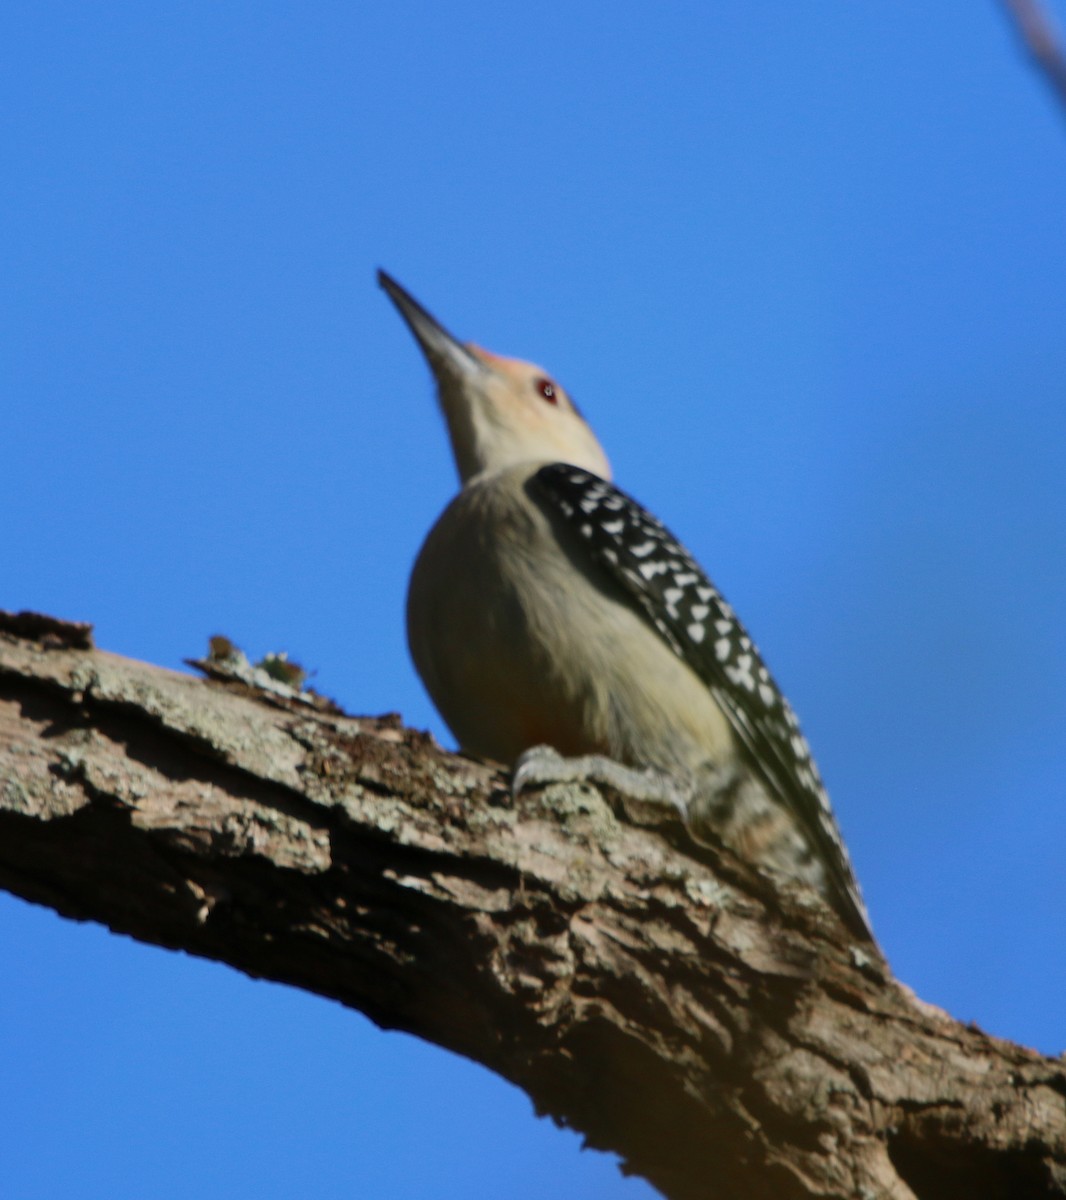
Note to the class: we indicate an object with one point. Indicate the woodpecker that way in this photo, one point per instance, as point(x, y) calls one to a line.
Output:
point(556, 624)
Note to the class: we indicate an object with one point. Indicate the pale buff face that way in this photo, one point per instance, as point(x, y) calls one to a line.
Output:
point(513, 412)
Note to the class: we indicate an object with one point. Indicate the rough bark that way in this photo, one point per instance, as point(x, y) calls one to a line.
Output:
point(725, 1039)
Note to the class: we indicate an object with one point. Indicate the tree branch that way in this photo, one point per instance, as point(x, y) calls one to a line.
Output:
point(1042, 42)
point(724, 1039)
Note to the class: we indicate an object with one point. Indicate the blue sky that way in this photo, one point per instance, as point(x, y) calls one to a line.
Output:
point(803, 269)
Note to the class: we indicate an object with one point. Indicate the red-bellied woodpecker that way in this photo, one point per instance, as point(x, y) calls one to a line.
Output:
point(550, 614)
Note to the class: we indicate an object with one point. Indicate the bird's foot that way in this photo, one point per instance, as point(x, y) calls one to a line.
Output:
point(541, 765)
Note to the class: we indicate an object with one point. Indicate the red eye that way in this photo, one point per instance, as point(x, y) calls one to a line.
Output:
point(547, 390)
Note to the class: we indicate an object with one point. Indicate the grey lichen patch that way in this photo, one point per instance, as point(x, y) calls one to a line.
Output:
point(195, 814)
point(187, 706)
point(539, 848)
point(707, 892)
point(47, 800)
point(442, 778)
point(88, 758)
point(311, 732)
point(16, 797)
point(390, 816)
point(29, 782)
point(83, 679)
point(578, 809)
point(284, 840)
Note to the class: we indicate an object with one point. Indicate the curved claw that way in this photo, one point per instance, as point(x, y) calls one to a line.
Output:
point(537, 765)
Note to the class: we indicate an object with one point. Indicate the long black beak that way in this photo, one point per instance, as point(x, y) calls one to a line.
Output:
point(442, 349)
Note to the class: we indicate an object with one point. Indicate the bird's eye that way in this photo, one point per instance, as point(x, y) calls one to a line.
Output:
point(548, 390)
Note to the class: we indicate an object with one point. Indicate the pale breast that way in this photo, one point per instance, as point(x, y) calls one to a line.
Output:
point(517, 647)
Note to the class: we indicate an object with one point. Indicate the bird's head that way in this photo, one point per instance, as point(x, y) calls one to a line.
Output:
point(501, 412)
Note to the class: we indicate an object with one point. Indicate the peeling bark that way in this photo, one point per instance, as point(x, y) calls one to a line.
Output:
point(723, 1037)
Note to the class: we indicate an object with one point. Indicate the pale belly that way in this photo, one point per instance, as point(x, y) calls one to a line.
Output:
point(521, 641)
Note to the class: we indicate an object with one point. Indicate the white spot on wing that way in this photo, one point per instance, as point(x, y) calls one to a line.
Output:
point(741, 674)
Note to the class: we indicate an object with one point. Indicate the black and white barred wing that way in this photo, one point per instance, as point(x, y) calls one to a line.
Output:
point(676, 597)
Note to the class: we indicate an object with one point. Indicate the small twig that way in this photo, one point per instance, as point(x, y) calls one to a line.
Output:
point(1042, 41)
